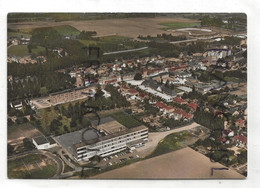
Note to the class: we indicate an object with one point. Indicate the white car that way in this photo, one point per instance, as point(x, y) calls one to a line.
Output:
point(105, 159)
point(137, 156)
point(116, 156)
point(110, 163)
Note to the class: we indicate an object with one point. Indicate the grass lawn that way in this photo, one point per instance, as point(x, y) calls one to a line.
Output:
point(170, 143)
point(113, 43)
point(124, 119)
point(89, 42)
point(66, 30)
point(22, 50)
point(178, 25)
point(18, 170)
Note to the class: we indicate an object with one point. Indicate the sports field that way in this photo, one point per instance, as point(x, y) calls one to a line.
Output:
point(31, 166)
point(180, 164)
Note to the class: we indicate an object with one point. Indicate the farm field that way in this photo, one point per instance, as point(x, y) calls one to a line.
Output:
point(180, 164)
point(22, 50)
point(31, 166)
point(128, 27)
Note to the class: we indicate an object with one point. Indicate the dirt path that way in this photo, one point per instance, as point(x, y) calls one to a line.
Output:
point(154, 139)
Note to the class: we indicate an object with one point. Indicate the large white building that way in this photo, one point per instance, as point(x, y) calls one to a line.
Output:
point(112, 143)
point(103, 139)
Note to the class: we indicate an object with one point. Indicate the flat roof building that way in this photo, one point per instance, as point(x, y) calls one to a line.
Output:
point(42, 142)
point(108, 137)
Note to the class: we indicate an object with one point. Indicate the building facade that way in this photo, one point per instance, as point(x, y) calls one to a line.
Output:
point(112, 143)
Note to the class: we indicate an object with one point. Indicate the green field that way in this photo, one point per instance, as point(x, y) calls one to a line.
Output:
point(88, 43)
point(22, 50)
point(66, 30)
point(170, 143)
point(29, 167)
point(178, 25)
point(113, 43)
point(123, 118)
point(15, 34)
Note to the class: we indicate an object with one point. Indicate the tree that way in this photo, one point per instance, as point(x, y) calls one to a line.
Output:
point(138, 76)
point(10, 149)
point(27, 144)
point(99, 93)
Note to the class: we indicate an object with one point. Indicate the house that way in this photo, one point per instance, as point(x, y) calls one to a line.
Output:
point(194, 106)
point(42, 142)
point(240, 123)
point(160, 105)
point(168, 109)
point(182, 114)
point(106, 94)
point(133, 91)
point(227, 133)
point(17, 105)
point(128, 76)
point(241, 140)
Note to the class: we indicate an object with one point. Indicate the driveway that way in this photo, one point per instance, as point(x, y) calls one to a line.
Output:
point(155, 137)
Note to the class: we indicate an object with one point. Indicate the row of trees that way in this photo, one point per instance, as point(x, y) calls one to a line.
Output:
point(164, 37)
point(33, 87)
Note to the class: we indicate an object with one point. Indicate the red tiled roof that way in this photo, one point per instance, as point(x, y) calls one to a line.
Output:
point(132, 91)
point(168, 108)
point(161, 105)
point(179, 100)
point(142, 95)
point(125, 87)
point(193, 105)
point(240, 121)
point(183, 113)
point(223, 140)
point(110, 81)
point(241, 138)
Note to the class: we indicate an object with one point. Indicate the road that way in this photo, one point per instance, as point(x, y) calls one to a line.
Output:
point(155, 137)
point(124, 51)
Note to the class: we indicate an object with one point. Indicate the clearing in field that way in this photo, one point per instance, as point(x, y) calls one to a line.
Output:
point(34, 166)
point(183, 163)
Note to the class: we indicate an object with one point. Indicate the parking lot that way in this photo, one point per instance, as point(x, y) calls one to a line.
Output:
point(118, 158)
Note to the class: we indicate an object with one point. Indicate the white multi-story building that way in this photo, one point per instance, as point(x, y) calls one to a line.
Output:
point(111, 143)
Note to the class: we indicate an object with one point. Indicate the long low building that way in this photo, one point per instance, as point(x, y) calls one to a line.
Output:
point(71, 95)
point(105, 138)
